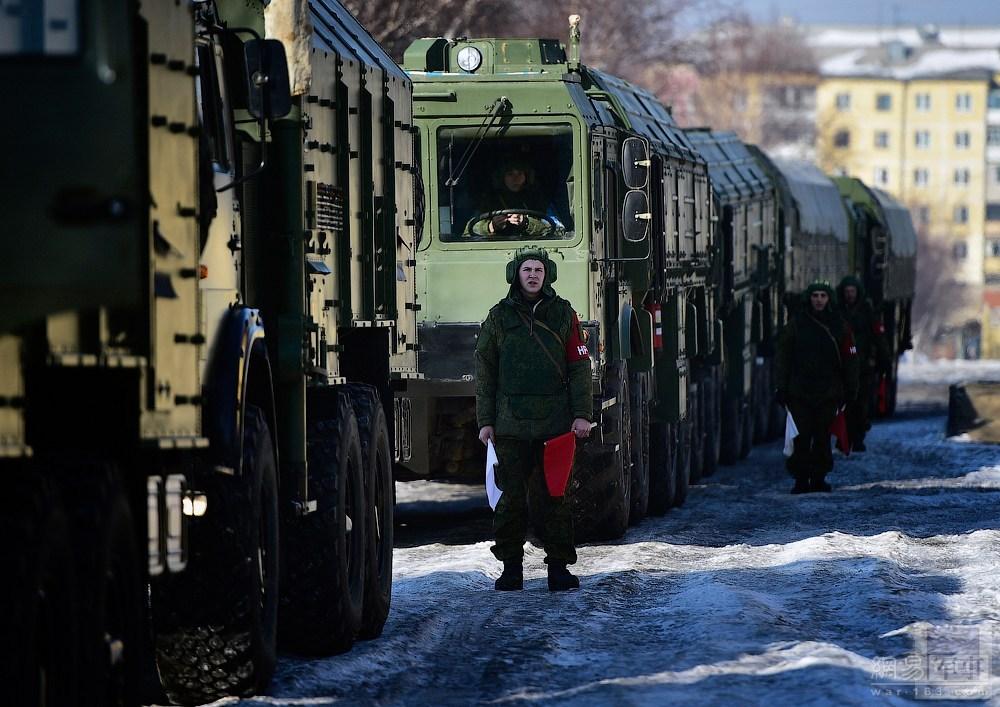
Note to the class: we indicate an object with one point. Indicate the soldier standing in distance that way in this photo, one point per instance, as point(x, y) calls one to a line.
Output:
point(533, 383)
point(873, 355)
point(817, 372)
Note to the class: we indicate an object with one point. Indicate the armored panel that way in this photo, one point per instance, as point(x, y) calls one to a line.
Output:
point(817, 228)
point(73, 171)
point(375, 151)
point(745, 194)
point(899, 276)
point(173, 237)
point(647, 116)
point(325, 206)
point(12, 434)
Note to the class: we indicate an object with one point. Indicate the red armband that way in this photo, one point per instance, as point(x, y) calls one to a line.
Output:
point(847, 347)
point(576, 348)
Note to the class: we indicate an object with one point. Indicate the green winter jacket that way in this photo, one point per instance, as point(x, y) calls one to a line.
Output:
point(524, 392)
point(817, 359)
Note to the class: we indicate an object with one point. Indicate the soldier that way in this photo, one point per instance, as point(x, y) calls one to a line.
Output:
point(533, 383)
point(873, 354)
point(817, 372)
point(514, 187)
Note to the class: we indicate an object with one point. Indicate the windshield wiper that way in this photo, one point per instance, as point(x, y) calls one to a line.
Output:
point(481, 132)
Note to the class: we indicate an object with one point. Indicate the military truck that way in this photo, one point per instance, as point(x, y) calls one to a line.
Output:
point(207, 297)
point(748, 285)
point(832, 226)
point(621, 199)
point(883, 254)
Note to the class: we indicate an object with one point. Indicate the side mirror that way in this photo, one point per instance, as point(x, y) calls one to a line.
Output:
point(635, 163)
point(268, 92)
point(635, 216)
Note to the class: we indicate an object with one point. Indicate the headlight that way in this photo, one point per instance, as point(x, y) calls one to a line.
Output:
point(469, 59)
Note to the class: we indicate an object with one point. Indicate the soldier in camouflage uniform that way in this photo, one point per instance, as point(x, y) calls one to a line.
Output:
point(817, 372)
point(533, 383)
point(873, 354)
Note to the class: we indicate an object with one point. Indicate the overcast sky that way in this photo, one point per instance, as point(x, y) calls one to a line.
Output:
point(880, 12)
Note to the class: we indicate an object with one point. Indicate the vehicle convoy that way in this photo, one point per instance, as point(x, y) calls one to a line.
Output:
point(681, 249)
point(207, 297)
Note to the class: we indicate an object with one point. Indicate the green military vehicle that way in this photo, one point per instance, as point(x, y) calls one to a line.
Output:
point(607, 182)
point(883, 254)
point(207, 297)
point(748, 282)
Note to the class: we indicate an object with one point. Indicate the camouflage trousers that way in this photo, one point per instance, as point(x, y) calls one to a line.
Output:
point(519, 475)
point(812, 456)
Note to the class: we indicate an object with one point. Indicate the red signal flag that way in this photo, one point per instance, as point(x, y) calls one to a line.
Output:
point(558, 462)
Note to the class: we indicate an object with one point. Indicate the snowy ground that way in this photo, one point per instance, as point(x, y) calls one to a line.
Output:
point(747, 595)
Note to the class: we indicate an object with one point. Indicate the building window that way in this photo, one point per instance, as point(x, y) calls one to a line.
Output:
point(842, 138)
point(959, 250)
point(963, 102)
point(843, 101)
point(881, 176)
point(921, 177)
point(923, 215)
point(993, 248)
point(960, 214)
point(996, 175)
point(993, 212)
point(993, 134)
point(923, 102)
point(881, 139)
point(922, 139)
point(962, 139)
point(883, 102)
point(994, 98)
point(961, 175)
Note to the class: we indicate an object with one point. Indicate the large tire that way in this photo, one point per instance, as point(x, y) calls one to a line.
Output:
point(696, 420)
point(217, 621)
point(682, 472)
point(640, 449)
point(662, 463)
point(38, 657)
point(323, 584)
point(601, 484)
point(731, 442)
point(712, 416)
point(380, 500)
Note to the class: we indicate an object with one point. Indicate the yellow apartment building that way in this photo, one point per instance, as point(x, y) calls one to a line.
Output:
point(932, 139)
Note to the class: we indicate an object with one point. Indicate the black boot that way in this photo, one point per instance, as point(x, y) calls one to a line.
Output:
point(561, 579)
point(512, 577)
point(819, 484)
point(859, 446)
point(801, 485)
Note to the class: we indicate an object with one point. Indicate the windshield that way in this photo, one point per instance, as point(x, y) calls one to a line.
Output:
point(516, 183)
point(39, 28)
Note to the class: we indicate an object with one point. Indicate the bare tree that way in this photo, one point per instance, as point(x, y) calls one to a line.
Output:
point(396, 23)
point(621, 38)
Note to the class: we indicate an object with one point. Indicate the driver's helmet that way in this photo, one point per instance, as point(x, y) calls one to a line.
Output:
point(511, 162)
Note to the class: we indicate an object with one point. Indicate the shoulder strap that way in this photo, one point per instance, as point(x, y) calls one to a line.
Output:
point(541, 345)
point(836, 344)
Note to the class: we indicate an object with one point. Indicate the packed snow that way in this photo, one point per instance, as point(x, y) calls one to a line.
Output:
point(883, 591)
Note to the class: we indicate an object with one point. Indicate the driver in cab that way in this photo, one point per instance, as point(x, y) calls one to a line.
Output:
point(522, 208)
